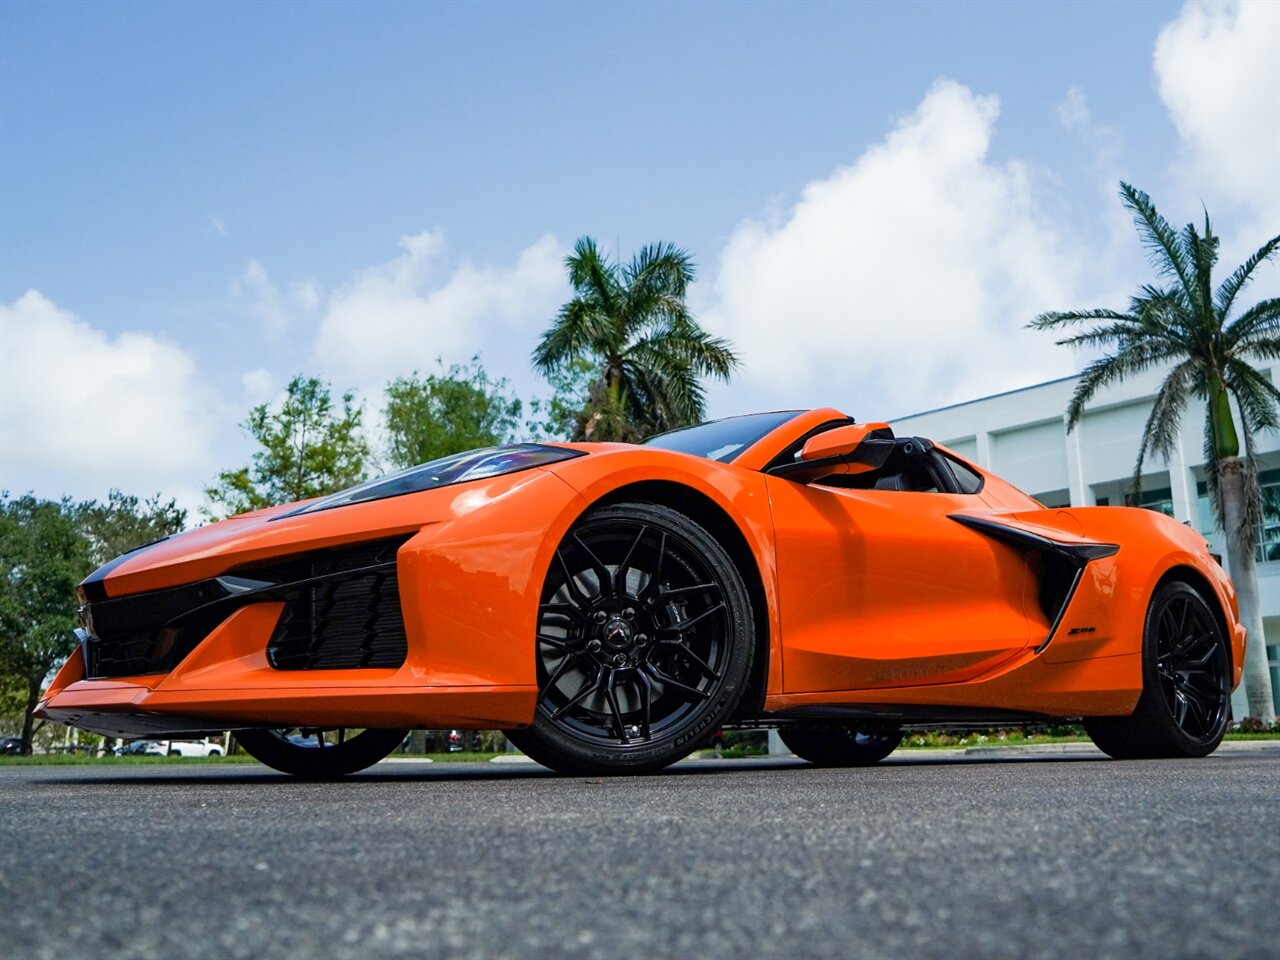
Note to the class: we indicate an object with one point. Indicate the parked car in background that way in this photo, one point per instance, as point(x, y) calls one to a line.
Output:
point(10, 746)
point(169, 748)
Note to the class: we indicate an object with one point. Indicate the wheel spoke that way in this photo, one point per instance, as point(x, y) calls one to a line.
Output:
point(611, 694)
point(559, 643)
point(645, 686)
point(692, 621)
point(568, 610)
point(1180, 708)
point(579, 595)
point(656, 674)
point(651, 589)
point(684, 591)
point(1182, 621)
point(588, 687)
point(603, 577)
point(697, 661)
point(561, 669)
point(620, 575)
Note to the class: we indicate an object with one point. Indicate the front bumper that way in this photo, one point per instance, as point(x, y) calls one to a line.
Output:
point(227, 683)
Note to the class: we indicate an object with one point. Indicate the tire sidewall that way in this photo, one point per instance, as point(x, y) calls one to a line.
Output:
point(1152, 692)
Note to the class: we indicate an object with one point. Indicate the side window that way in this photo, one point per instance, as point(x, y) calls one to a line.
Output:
point(967, 480)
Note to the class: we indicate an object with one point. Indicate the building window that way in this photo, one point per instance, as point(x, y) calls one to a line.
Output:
point(1161, 501)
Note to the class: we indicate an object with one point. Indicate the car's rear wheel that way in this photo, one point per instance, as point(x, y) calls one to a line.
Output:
point(315, 754)
point(1185, 705)
point(837, 745)
point(644, 643)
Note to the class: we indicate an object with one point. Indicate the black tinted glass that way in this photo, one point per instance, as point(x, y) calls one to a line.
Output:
point(721, 440)
point(458, 468)
point(966, 479)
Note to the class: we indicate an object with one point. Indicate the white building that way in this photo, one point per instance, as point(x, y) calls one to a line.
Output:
point(1021, 436)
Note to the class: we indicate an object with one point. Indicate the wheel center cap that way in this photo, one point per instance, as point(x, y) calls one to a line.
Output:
point(617, 633)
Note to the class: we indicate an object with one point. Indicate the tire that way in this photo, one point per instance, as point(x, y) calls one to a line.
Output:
point(831, 745)
point(317, 758)
point(644, 643)
point(1185, 705)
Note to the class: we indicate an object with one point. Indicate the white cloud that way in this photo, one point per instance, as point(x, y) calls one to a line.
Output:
point(259, 385)
point(1217, 69)
point(903, 281)
point(1073, 110)
point(274, 309)
point(219, 225)
point(402, 314)
point(81, 411)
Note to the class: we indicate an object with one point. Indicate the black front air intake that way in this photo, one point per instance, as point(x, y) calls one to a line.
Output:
point(148, 633)
point(342, 611)
point(346, 612)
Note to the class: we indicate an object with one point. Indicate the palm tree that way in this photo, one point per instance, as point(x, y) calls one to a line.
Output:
point(632, 322)
point(1189, 324)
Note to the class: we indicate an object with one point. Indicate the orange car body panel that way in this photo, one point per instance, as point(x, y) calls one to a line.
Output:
point(873, 597)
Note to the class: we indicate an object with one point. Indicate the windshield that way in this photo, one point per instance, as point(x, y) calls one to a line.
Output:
point(721, 440)
point(458, 468)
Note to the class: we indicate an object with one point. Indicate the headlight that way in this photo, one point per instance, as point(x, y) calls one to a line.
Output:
point(458, 468)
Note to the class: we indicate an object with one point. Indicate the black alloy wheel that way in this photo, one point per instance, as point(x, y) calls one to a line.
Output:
point(319, 754)
point(836, 745)
point(1185, 705)
point(644, 643)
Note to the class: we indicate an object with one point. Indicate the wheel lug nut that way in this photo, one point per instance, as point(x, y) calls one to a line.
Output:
point(629, 613)
point(593, 646)
point(641, 640)
point(620, 659)
point(600, 616)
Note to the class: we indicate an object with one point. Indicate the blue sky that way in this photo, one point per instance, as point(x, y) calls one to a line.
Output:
point(197, 201)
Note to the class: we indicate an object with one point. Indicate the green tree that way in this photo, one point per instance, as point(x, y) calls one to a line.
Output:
point(308, 447)
point(633, 324)
point(564, 414)
point(1195, 327)
point(43, 555)
point(459, 408)
point(125, 522)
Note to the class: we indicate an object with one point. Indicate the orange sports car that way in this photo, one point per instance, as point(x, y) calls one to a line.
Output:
point(612, 606)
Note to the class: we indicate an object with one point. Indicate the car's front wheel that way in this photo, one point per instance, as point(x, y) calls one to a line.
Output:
point(1185, 705)
point(644, 643)
point(839, 745)
point(315, 754)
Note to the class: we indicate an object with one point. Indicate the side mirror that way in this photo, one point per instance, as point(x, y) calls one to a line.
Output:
point(856, 448)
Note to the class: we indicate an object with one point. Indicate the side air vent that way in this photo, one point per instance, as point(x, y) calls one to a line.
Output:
point(345, 614)
point(1058, 566)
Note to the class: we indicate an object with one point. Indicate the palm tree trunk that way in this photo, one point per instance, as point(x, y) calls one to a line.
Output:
point(1244, 574)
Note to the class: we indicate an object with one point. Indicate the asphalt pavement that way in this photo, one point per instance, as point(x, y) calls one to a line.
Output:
point(920, 857)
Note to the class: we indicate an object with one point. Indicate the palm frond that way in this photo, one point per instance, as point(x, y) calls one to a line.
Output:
point(592, 274)
point(1112, 334)
point(1105, 371)
point(1163, 246)
point(1237, 281)
point(1055, 318)
point(581, 328)
point(1160, 434)
point(1256, 396)
point(1203, 251)
point(1262, 318)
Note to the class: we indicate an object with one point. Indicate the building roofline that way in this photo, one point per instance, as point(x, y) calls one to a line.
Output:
point(992, 396)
